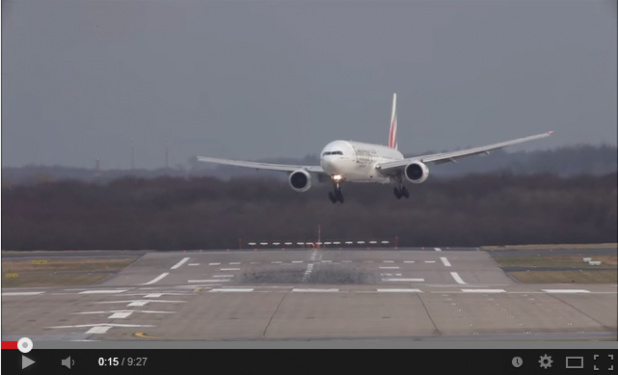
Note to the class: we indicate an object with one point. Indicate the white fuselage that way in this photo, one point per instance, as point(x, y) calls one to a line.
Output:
point(355, 161)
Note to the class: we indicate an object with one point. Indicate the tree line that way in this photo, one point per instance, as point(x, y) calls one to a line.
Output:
point(168, 213)
point(563, 161)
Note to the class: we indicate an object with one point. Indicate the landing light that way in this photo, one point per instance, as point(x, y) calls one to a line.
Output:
point(337, 177)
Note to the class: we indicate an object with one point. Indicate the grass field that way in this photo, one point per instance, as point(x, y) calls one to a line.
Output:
point(581, 277)
point(556, 261)
point(582, 272)
point(551, 246)
point(59, 272)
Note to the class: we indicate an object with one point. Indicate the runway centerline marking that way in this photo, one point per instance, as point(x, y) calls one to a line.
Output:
point(156, 279)
point(408, 261)
point(457, 278)
point(437, 249)
point(223, 276)
point(445, 261)
point(430, 261)
point(308, 272)
point(230, 269)
point(309, 269)
point(389, 268)
point(214, 264)
point(177, 265)
point(419, 280)
point(234, 262)
point(193, 264)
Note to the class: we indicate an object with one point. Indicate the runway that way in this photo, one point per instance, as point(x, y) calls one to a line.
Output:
point(408, 294)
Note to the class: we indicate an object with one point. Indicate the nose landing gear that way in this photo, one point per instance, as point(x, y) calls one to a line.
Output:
point(336, 195)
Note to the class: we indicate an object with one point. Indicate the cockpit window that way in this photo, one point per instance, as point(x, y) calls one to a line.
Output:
point(332, 153)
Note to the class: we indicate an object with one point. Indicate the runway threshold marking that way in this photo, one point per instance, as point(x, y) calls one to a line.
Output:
point(230, 290)
point(21, 293)
point(158, 278)
point(103, 291)
point(98, 330)
point(399, 291)
point(565, 290)
point(445, 261)
point(141, 302)
point(120, 315)
point(483, 290)
point(209, 281)
point(177, 265)
point(301, 290)
point(457, 278)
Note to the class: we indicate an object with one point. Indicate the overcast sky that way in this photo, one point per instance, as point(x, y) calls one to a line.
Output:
point(88, 79)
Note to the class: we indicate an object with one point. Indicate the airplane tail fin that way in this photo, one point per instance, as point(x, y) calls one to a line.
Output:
point(392, 137)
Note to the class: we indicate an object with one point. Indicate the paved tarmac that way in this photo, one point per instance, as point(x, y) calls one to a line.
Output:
point(311, 294)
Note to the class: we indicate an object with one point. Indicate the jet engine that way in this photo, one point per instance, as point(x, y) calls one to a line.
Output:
point(300, 180)
point(416, 172)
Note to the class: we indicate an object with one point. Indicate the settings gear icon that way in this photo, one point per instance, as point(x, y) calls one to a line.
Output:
point(545, 361)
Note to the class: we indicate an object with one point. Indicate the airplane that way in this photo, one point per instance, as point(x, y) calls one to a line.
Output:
point(349, 161)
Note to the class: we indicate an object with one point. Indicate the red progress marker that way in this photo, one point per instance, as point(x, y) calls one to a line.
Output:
point(9, 344)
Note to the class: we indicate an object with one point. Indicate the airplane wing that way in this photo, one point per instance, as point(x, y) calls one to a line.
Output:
point(445, 157)
point(265, 166)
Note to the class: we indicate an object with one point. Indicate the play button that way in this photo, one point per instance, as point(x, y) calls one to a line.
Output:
point(25, 362)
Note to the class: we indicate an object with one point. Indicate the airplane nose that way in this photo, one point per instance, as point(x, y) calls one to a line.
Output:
point(327, 165)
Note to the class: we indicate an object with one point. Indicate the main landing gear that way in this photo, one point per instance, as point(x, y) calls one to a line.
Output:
point(401, 192)
point(336, 195)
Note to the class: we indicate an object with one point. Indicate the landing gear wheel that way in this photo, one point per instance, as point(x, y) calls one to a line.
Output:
point(397, 193)
point(339, 196)
point(404, 192)
point(336, 196)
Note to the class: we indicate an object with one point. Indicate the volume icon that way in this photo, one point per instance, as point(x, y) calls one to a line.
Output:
point(68, 362)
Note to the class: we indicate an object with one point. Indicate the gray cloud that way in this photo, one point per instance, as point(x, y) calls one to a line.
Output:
point(90, 79)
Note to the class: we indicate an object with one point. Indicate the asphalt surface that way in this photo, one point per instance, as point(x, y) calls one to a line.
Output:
point(310, 294)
